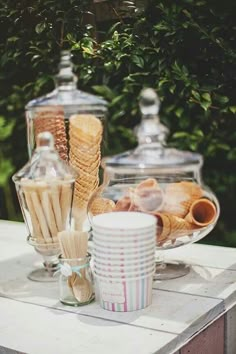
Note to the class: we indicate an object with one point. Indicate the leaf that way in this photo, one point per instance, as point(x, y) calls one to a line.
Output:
point(205, 105)
point(40, 27)
point(206, 97)
point(104, 91)
point(232, 109)
point(196, 95)
point(139, 61)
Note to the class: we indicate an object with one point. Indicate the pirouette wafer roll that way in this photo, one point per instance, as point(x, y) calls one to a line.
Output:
point(55, 198)
point(65, 201)
point(45, 198)
point(37, 233)
point(35, 197)
point(202, 212)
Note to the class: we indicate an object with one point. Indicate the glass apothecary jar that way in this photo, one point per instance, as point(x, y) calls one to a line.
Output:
point(45, 188)
point(162, 181)
point(53, 111)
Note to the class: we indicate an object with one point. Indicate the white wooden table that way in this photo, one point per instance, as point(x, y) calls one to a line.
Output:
point(193, 314)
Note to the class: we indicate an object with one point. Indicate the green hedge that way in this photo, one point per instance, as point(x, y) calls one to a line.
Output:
point(185, 51)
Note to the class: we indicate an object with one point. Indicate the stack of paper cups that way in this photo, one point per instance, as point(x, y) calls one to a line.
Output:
point(124, 259)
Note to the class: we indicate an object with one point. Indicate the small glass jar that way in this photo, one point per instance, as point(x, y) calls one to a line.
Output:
point(45, 188)
point(76, 284)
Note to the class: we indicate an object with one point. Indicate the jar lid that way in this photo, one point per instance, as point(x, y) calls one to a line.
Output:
point(66, 93)
point(151, 152)
point(45, 163)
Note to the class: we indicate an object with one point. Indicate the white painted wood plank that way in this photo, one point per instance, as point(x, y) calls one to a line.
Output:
point(204, 255)
point(205, 281)
point(230, 331)
point(172, 312)
point(36, 330)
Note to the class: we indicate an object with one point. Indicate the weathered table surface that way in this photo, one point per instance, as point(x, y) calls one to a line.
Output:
point(32, 320)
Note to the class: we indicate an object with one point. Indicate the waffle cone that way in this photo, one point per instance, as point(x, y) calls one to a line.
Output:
point(87, 126)
point(202, 213)
point(101, 206)
point(51, 119)
point(179, 197)
point(163, 226)
point(148, 183)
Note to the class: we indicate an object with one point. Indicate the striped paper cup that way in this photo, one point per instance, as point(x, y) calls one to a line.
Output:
point(124, 295)
point(124, 233)
point(132, 245)
point(126, 252)
point(123, 262)
point(123, 257)
point(110, 274)
point(123, 238)
point(126, 268)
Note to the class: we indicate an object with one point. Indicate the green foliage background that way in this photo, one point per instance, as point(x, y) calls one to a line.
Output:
point(185, 51)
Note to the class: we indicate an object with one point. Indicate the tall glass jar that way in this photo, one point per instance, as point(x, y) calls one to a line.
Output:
point(53, 111)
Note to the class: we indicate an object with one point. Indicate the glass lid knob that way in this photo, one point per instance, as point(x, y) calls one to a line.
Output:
point(150, 132)
point(66, 79)
point(45, 140)
point(149, 102)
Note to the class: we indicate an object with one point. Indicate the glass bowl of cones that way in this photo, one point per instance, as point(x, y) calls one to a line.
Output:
point(185, 210)
point(160, 180)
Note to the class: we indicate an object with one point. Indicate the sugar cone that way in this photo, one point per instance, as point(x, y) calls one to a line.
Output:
point(202, 212)
point(179, 197)
point(123, 204)
point(51, 119)
point(148, 183)
point(101, 206)
point(163, 226)
point(169, 227)
point(179, 227)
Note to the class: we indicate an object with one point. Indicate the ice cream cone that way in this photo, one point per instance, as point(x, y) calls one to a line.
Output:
point(101, 206)
point(202, 212)
point(179, 197)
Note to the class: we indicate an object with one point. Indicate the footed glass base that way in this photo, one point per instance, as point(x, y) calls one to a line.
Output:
point(170, 270)
point(44, 274)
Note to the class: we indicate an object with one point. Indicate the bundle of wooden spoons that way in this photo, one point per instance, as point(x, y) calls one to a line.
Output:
point(74, 246)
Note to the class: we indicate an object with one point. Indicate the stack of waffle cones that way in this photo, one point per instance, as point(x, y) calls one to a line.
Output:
point(85, 135)
point(48, 206)
point(51, 119)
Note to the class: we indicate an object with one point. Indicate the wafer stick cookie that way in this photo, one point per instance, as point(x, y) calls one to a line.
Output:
point(55, 193)
point(46, 203)
point(37, 233)
point(66, 199)
point(35, 198)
